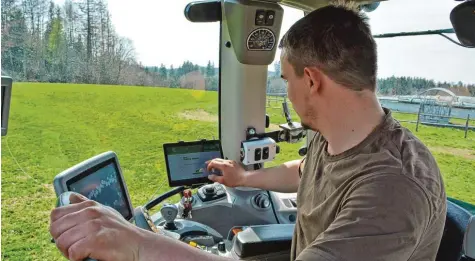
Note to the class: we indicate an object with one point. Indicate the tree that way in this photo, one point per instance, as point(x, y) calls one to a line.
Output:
point(210, 69)
point(162, 72)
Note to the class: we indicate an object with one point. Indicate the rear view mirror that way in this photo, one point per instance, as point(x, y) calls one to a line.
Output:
point(463, 22)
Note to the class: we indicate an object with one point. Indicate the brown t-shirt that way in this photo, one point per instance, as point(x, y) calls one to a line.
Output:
point(381, 200)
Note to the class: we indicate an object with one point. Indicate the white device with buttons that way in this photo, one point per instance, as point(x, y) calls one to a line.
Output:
point(258, 151)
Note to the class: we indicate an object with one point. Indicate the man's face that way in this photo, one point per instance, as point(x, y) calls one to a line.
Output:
point(297, 92)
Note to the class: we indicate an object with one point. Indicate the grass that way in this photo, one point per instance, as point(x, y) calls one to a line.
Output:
point(54, 126)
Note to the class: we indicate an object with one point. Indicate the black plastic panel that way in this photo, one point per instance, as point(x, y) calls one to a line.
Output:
point(265, 239)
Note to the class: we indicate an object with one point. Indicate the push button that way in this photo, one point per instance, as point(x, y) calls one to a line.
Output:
point(270, 17)
point(260, 17)
point(258, 154)
point(265, 153)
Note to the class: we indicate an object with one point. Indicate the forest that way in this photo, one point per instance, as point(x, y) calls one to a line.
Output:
point(76, 42)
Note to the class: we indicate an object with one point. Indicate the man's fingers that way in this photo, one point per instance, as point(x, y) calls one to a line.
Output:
point(216, 178)
point(58, 213)
point(76, 233)
point(217, 164)
point(72, 218)
point(77, 198)
point(80, 250)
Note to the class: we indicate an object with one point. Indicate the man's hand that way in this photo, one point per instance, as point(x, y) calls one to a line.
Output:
point(284, 178)
point(233, 174)
point(88, 229)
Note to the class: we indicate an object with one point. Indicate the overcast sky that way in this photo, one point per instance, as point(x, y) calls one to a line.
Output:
point(161, 34)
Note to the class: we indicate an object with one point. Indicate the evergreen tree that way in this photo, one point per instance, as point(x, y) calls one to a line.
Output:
point(162, 72)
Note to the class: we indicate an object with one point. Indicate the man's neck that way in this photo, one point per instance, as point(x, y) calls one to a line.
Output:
point(350, 123)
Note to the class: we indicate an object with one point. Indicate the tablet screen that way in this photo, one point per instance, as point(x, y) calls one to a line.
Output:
point(186, 162)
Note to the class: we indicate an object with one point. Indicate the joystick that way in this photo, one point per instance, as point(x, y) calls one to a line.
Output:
point(209, 190)
point(63, 200)
point(169, 213)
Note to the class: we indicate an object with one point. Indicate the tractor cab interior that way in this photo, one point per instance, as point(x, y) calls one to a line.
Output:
point(241, 223)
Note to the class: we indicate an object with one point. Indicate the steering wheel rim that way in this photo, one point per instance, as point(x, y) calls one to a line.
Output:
point(142, 220)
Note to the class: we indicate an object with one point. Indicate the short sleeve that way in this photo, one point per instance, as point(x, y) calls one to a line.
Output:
point(302, 165)
point(310, 148)
point(382, 217)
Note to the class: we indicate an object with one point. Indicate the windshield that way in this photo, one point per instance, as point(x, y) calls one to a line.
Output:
point(95, 75)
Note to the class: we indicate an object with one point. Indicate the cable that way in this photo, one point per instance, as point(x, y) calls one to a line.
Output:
point(158, 190)
point(450, 39)
point(273, 208)
point(13, 157)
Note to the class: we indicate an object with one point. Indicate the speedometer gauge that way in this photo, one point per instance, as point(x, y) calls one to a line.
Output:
point(261, 39)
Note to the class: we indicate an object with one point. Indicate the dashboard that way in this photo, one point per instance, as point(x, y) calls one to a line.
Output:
point(214, 211)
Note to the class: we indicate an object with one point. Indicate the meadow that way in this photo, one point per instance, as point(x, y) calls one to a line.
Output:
point(54, 126)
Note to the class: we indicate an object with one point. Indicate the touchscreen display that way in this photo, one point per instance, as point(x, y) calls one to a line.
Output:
point(103, 185)
point(188, 162)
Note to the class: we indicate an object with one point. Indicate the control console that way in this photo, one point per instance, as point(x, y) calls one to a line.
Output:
point(211, 192)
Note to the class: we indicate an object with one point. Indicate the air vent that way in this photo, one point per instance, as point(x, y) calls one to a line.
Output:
point(261, 201)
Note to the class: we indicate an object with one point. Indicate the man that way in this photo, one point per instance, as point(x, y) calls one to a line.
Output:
point(367, 189)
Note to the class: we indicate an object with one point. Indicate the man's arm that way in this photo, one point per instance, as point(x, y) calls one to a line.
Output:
point(86, 228)
point(383, 217)
point(283, 178)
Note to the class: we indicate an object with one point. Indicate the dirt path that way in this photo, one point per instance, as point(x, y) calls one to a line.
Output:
point(464, 153)
point(199, 115)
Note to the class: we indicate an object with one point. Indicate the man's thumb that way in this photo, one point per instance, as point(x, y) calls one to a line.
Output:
point(77, 198)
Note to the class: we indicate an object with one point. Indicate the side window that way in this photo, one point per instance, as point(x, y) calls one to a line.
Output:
point(277, 93)
point(409, 66)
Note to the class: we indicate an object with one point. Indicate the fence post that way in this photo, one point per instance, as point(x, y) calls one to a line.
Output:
point(466, 125)
point(418, 118)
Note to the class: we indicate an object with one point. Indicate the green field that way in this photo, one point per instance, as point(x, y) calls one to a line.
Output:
point(54, 126)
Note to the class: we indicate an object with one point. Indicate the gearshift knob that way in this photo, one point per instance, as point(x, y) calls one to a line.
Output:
point(169, 213)
point(63, 200)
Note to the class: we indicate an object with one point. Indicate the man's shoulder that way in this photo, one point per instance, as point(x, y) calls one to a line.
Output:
point(413, 160)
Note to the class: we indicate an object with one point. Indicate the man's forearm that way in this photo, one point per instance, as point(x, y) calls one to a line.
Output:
point(283, 178)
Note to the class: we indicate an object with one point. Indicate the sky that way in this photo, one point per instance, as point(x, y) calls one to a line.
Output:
point(161, 34)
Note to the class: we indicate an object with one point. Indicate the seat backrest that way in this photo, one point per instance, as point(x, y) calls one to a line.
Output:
point(452, 244)
point(469, 239)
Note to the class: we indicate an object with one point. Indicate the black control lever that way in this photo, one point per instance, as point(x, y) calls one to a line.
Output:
point(287, 113)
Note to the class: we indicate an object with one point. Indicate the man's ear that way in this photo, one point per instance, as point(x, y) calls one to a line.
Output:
point(312, 79)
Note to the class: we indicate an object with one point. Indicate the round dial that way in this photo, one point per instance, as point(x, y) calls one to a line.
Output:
point(261, 39)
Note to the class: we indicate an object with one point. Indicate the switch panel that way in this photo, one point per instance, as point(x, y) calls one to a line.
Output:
point(261, 17)
point(258, 151)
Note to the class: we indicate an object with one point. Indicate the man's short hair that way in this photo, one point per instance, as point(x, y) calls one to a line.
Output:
point(337, 40)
